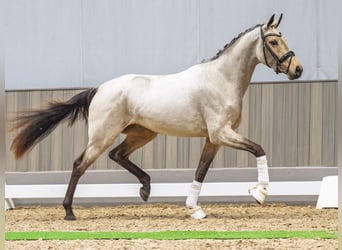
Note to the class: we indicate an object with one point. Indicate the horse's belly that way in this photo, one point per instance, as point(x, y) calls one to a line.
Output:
point(183, 128)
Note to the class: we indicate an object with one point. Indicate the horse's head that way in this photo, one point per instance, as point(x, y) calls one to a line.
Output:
point(275, 53)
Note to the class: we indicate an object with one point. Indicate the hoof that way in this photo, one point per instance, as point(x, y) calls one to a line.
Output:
point(70, 217)
point(259, 193)
point(144, 194)
point(197, 213)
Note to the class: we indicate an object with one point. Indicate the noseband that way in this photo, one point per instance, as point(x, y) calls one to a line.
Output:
point(278, 60)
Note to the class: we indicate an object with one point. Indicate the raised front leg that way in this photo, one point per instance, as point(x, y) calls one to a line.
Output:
point(259, 191)
point(208, 154)
point(229, 137)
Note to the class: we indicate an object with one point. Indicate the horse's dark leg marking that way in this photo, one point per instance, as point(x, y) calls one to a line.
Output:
point(249, 146)
point(137, 136)
point(77, 172)
point(81, 164)
point(232, 139)
point(207, 156)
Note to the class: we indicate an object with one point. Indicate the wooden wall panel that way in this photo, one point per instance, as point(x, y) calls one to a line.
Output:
point(316, 124)
point(294, 122)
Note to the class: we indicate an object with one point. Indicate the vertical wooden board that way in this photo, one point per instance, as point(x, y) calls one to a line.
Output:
point(171, 152)
point(159, 152)
point(195, 150)
point(329, 123)
point(278, 136)
point(267, 100)
point(255, 111)
point(147, 157)
point(316, 125)
point(303, 125)
point(242, 156)
point(183, 152)
point(230, 157)
point(290, 131)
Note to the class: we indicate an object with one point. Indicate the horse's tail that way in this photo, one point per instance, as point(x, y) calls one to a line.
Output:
point(35, 125)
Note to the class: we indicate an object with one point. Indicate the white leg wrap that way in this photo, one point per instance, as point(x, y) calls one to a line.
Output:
point(195, 211)
point(263, 177)
point(259, 192)
point(194, 192)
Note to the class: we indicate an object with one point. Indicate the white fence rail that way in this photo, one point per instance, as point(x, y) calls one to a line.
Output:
point(301, 184)
point(158, 190)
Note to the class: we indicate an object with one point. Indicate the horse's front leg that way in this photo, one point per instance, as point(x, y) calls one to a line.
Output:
point(229, 137)
point(208, 154)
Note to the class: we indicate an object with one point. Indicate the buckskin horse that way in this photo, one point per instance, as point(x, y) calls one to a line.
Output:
point(204, 100)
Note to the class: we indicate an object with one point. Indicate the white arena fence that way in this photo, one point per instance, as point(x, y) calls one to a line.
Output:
point(221, 185)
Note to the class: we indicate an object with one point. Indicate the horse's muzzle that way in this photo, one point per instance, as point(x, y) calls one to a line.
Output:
point(299, 71)
point(296, 73)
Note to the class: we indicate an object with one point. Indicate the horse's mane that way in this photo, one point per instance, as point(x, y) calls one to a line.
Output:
point(220, 52)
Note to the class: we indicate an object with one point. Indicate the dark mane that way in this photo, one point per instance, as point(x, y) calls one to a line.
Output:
point(220, 52)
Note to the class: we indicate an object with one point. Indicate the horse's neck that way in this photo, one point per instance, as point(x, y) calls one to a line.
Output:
point(238, 63)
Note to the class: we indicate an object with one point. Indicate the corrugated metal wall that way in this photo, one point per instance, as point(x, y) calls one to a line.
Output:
point(294, 122)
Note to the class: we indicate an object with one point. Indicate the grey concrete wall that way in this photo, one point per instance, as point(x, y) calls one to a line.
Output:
point(81, 43)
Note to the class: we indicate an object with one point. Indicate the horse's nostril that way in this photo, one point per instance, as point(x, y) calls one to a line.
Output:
point(299, 70)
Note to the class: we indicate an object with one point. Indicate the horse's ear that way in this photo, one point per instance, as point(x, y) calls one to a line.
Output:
point(270, 21)
point(276, 23)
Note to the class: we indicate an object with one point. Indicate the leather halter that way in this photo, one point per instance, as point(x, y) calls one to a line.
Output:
point(278, 60)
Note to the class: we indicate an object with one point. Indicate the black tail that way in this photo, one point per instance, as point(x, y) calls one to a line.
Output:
point(35, 125)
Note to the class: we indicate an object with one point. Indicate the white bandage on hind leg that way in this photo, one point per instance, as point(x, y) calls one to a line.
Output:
point(194, 192)
point(263, 178)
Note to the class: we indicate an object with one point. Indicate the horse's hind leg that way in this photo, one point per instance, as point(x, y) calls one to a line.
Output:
point(207, 156)
point(77, 171)
point(94, 149)
point(137, 136)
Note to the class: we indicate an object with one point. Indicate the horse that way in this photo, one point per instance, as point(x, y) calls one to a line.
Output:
point(204, 100)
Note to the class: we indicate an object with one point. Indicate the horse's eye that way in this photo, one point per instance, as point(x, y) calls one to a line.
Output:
point(274, 42)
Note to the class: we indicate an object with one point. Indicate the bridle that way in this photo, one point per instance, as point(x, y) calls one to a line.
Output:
point(278, 60)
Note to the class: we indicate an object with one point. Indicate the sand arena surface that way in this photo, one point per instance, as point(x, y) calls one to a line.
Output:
point(161, 217)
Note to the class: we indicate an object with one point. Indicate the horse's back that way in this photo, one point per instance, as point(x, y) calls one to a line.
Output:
point(167, 104)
